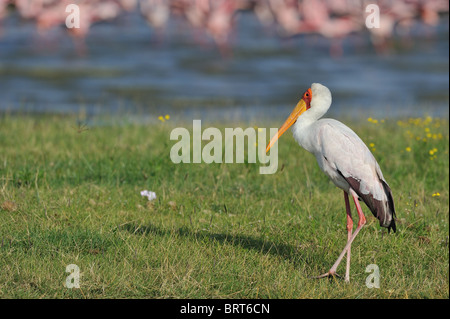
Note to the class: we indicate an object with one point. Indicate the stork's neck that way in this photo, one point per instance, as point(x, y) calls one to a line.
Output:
point(320, 103)
point(311, 116)
point(303, 129)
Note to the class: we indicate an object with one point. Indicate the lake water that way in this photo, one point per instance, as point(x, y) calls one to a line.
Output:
point(129, 69)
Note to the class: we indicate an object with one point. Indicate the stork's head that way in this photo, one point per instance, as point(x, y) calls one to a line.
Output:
point(316, 100)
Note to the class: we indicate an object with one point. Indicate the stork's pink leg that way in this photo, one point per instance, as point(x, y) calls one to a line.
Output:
point(361, 223)
point(349, 234)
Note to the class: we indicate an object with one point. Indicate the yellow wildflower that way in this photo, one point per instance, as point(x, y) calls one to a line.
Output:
point(161, 118)
point(432, 151)
point(436, 194)
point(408, 149)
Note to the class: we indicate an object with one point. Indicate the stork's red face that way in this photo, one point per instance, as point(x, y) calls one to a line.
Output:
point(307, 98)
point(303, 105)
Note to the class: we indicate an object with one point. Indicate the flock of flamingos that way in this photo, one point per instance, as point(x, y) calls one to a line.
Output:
point(333, 19)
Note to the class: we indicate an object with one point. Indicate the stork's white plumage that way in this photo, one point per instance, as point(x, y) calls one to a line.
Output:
point(344, 158)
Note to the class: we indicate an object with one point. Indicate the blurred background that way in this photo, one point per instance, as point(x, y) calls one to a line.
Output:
point(223, 59)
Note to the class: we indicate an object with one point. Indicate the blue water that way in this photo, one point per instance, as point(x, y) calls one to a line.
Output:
point(127, 68)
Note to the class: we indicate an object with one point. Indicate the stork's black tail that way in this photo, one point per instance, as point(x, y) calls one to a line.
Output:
point(391, 211)
point(384, 210)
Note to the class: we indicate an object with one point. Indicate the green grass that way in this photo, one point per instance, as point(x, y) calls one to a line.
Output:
point(72, 196)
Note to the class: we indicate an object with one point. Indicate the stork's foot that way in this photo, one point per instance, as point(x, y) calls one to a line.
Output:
point(330, 274)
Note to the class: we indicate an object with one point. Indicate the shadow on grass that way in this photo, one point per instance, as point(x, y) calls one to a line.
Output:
point(264, 246)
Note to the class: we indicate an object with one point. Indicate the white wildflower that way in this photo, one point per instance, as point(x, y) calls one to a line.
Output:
point(150, 195)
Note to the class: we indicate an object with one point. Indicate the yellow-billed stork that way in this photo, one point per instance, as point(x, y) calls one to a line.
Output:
point(345, 159)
